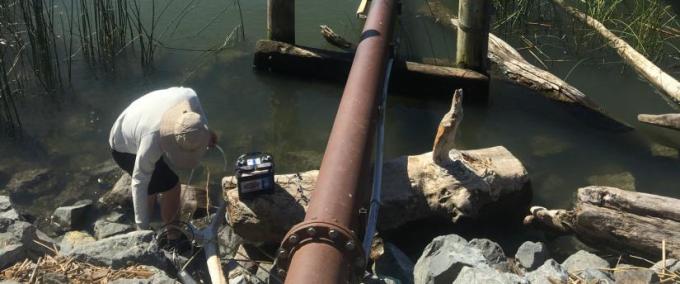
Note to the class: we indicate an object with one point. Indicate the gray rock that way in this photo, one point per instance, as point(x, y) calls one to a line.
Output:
point(583, 260)
point(395, 263)
point(11, 253)
point(381, 280)
point(15, 239)
point(104, 229)
point(492, 252)
point(626, 274)
point(549, 273)
point(444, 258)
point(483, 275)
point(115, 217)
point(120, 193)
point(74, 238)
point(136, 247)
point(591, 275)
point(70, 217)
point(18, 239)
point(7, 211)
point(531, 255)
point(160, 277)
point(672, 265)
point(229, 241)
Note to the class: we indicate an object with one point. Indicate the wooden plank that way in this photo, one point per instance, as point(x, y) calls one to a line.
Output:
point(408, 78)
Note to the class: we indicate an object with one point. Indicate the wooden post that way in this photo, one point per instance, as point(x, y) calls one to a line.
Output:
point(473, 34)
point(473, 43)
point(281, 20)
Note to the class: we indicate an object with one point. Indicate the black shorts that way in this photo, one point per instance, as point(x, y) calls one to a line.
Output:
point(162, 179)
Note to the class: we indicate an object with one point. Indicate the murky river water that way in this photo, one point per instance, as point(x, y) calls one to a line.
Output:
point(291, 117)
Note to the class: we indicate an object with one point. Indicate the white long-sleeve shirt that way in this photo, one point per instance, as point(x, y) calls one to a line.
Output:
point(136, 131)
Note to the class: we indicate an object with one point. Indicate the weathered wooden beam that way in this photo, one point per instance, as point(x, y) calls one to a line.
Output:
point(484, 183)
point(671, 120)
point(407, 77)
point(615, 219)
point(281, 20)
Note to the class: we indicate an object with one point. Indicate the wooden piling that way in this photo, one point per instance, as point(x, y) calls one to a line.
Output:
point(281, 20)
point(473, 35)
point(473, 42)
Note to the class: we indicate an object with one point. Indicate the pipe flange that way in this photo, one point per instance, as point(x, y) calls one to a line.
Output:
point(321, 232)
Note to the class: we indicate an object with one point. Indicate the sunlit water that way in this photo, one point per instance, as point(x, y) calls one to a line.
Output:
point(291, 117)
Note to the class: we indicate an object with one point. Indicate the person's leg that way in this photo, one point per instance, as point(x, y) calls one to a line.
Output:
point(151, 203)
point(170, 204)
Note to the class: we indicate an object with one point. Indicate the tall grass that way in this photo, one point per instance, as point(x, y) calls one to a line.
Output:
point(34, 57)
point(109, 27)
point(650, 26)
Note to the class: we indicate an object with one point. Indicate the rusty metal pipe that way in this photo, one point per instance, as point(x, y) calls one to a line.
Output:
point(337, 189)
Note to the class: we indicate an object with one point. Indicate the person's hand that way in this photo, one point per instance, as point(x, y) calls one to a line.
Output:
point(213, 139)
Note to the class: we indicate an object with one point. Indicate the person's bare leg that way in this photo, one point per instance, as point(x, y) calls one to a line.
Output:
point(170, 204)
point(151, 203)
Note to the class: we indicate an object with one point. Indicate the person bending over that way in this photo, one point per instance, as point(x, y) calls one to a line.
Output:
point(159, 132)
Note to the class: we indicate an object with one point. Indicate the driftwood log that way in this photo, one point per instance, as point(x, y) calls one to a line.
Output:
point(666, 84)
point(336, 39)
point(671, 120)
point(447, 129)
point(478, 183)
point(619, 220)
point(518, 70)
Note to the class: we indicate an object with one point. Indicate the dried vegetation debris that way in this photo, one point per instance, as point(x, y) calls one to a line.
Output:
point(72, 271)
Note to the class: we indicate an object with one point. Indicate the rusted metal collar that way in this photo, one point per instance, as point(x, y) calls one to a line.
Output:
point(322, 232)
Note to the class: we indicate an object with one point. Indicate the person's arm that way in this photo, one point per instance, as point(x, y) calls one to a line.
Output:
point(147, 155)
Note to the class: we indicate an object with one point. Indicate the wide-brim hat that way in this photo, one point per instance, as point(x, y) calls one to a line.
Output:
point(184, 136)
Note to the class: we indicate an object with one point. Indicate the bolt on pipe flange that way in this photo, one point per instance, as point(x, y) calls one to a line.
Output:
point(321, 232)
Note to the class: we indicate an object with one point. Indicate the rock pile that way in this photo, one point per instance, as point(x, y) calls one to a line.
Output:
point(452, 259)
point(24, 246)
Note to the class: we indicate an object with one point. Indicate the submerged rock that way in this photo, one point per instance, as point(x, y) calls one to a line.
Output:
point(70, 217)
point(549, 273)
point(623, 180)
point(626, 274)
point(444, 258)
point(531, 255)
point(34, 181)
point(659, 150)
point(482, 275)
point(543, 146)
